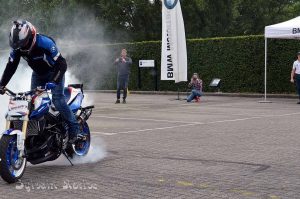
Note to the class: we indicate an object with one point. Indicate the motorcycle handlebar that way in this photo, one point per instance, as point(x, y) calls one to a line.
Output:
point(10, 92)
point(39, 89)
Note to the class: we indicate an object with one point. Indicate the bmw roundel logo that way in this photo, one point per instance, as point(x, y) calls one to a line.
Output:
point(170, 4)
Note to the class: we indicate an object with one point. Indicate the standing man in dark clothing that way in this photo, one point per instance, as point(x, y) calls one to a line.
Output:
point(295, 74)
point(123, 67)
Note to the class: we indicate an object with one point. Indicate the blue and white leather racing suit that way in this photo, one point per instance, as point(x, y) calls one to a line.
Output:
point(48, 65)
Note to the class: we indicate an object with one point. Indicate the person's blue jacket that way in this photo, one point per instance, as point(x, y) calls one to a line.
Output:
point(44, 57)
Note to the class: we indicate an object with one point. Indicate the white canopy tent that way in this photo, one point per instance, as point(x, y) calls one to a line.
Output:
point(285, 30)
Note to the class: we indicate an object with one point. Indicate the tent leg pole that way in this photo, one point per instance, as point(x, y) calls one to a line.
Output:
point(265, 80)
point(266, 58)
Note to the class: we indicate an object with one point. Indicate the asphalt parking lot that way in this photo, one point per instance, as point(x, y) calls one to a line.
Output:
point(157, 147)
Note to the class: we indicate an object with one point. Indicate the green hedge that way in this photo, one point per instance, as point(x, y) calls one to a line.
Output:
point(238, 61)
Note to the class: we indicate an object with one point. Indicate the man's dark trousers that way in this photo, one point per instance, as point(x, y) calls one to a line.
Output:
point(122, 84)
point(297, 78)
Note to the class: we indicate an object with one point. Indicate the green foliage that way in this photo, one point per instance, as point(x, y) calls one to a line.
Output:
point(238, 61)
point(140, 20)
point(253, 15)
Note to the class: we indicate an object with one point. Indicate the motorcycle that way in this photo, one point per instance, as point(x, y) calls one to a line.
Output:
point(36, 133)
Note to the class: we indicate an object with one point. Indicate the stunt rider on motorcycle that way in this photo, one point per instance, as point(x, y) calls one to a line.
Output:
point(48, 67)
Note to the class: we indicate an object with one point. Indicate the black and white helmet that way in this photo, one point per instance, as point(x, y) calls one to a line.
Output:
point(22, 35)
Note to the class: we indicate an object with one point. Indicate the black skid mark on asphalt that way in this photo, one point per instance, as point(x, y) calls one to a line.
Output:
point(112, 155)
point(261, 167)
point(112, 152)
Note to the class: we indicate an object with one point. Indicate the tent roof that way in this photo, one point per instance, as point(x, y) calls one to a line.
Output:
point(286, 30)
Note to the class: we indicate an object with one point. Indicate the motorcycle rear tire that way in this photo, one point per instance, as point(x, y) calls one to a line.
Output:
point(73, 151)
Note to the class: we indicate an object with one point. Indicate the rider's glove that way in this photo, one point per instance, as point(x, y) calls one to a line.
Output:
point(2, 90)
point(50, 85)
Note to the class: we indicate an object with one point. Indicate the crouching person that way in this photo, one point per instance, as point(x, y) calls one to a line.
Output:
point(196, 86)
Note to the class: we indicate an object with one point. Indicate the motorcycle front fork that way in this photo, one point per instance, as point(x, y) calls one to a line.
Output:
point(20, 136)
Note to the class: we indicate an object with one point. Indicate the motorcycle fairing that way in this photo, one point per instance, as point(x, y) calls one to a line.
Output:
point(76, 103)
point(74, 97)
point(41, 107)
point(17, 108)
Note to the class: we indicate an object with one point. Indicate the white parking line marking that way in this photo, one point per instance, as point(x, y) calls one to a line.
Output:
point(102, 133)
point(194, 124)
point(213, 110)
point(143, 130)
point(144, 119)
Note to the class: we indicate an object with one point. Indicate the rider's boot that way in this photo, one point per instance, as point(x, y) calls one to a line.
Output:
point(75, 134)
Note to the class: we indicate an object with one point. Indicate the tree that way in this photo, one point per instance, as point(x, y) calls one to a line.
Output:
point(138, 20)
point(220, 16)
point(254, 15)
point(130, 19)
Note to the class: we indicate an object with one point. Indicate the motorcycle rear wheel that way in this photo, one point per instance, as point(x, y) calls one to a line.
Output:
point(80, 147)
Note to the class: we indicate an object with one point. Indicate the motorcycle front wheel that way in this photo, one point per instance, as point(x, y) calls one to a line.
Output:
point(12, 167)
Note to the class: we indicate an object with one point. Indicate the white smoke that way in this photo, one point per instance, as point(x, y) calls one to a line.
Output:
point(96, 153)
point(19, 82)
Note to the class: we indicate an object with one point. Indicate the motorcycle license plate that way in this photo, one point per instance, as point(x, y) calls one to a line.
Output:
point(17, 108)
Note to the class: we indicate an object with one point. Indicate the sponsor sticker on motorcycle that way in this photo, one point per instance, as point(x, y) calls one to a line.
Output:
point(18, 108)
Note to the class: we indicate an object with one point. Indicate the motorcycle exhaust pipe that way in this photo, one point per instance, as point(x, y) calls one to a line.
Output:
point(85, 114)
